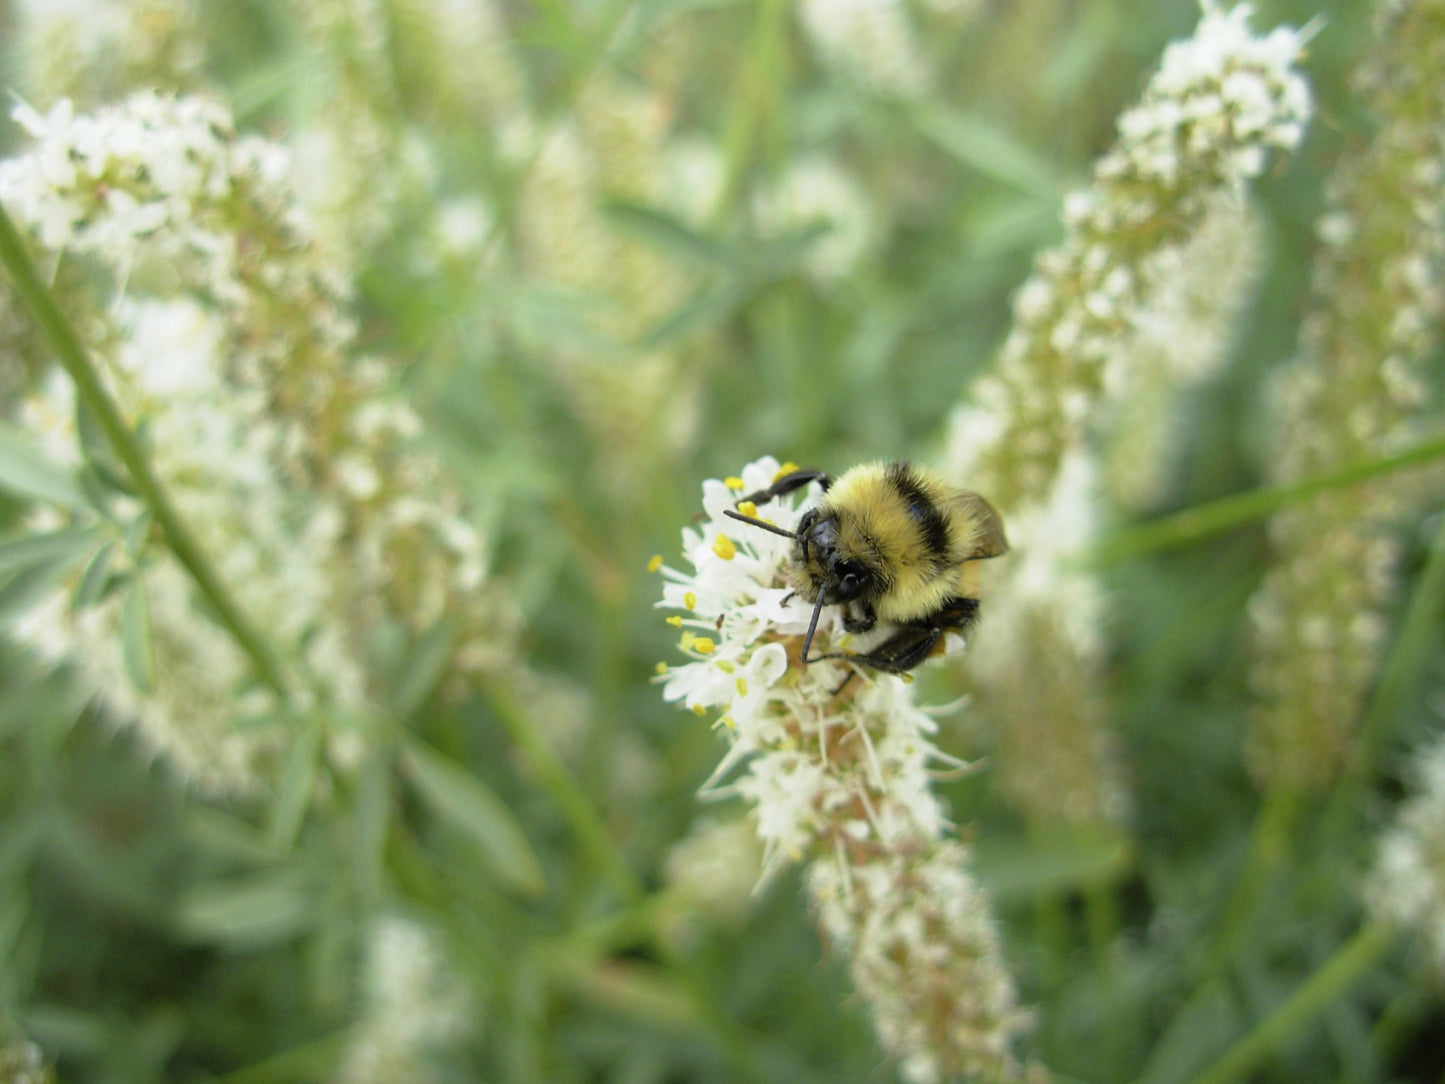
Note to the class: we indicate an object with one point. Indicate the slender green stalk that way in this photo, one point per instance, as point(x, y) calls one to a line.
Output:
point(1353, 960)
point(1213, 517)
point(73, 357)
point(552, 775)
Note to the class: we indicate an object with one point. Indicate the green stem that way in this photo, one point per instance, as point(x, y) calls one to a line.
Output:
point(552, 775)
point(310, 1061)
point(1269, 844)
point(72, 356)
point(1213, 517)
point(1347, 965)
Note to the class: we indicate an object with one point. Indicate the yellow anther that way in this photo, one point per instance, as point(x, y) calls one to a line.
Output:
point(726, 666)
point(661, 668)
point(675, 621)
point(703, 645)
point(732, 481)
point(687, 639)
point(742, 684)
point(698, 709)
point(748, 508)
point(786, 468)
point(654, 562)
point(690, 601)
point(724, 548)
point(729, 722)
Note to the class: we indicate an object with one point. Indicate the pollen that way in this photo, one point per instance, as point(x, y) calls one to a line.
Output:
point(704, 645)
point(698, 709)
point(660, 669)
point(786, 468)
point(675, 621)
point(748, 508)
point(654, 562)
point(742, 684)
point(728, 722)
point(732, 481)
point(726, 666)
point(723, 546)
point(690, 601)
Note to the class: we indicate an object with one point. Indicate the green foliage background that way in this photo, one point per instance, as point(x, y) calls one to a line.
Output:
point(149, 935)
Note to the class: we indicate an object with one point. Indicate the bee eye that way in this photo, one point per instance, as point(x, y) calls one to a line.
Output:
point(849, 581)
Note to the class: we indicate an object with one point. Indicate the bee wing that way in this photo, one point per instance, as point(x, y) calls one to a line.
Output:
point(988, 538)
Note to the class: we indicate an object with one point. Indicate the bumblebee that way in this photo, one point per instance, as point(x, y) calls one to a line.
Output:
point(889, 542)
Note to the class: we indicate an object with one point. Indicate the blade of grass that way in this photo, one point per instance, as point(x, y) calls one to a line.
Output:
point(1213, 517)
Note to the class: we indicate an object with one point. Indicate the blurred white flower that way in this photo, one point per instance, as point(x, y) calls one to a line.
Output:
point(871, 41)
point(1407, 885)
point(816, 191)
point(412, 1007)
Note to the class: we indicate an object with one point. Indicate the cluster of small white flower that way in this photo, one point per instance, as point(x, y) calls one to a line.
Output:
point(1357, 389)
point(839, 778)
point(818, 191)
point(871, 41)
point(292, 458)
point(1180, 337)
point(1219, 103)
point(413, 1007)
point(1407, 884)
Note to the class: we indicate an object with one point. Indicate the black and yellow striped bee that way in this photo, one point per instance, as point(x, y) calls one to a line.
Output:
point(889, 542)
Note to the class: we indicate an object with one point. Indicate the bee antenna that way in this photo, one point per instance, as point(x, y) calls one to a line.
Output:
point(760, 523)
point(813, 624)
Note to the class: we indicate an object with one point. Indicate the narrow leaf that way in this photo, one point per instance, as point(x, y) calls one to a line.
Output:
point(27, 472)
point(298, 781)
point(64, 547)
point(135, 636)
point(458, 797)
point(96, 578)
point(990, 149)
point(667, 233)
point(248, 912)
point(424, 667)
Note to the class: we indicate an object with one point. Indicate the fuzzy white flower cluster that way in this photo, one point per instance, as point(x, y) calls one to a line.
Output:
point(412, 1007)
point(288, 453)
point(840, 777)
point(818, 191)
point(1407, 885)
point(1220, 101)
point(1358, 388)
point(871, 41)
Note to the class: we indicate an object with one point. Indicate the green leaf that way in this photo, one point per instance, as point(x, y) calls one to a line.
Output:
point(64, 547)
point(135, 636)
point(458, 797)
point(1059, 862)
point(96, 579)
point(298, 781)
point(373, 815)
point(39, 568)
point(267, 908)
point(27, 472)
point(990, 149)
point(424, 667)
point(668, 234)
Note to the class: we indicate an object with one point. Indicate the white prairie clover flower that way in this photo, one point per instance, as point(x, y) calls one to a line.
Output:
point(214, 318)
point(840, 779)
point(412, 1007)
point(1407, 886)
point(1356, 390)
point(868, 40)
point(1219, 104)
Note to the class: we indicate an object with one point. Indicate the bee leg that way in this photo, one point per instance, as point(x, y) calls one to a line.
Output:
point(788, 483)
point(914, 642)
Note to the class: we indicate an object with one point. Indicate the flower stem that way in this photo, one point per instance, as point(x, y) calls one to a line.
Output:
point(1213, 517)
point(1353, 959)
point(73, 357)
point(576, 807)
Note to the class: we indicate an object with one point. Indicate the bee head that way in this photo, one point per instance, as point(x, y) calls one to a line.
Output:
point(820, 553)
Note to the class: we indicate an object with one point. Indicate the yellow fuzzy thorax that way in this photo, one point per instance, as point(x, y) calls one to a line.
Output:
point(875, 524)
